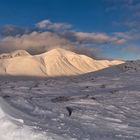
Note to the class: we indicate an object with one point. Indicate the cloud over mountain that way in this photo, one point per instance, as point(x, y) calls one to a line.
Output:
point(47, 35)
point(35, 42)
point(12, 30)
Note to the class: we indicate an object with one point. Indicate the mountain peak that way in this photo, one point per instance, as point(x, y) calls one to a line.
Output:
point(13, 54)
point(60, 50)
point(56, 62)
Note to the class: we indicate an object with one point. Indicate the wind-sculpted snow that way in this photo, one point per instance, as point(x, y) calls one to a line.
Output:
point(98, 106)
point(13, 126)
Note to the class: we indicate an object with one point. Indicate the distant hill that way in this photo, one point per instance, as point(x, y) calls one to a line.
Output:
point(56, 62)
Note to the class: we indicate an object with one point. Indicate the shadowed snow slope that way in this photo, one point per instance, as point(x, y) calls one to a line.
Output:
point(57, 62)
point(15, 129)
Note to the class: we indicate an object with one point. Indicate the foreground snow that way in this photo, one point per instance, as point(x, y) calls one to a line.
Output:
point(99, 106)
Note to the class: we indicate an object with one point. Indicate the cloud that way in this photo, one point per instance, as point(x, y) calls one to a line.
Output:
point(93, 37)
point(131, 49)
point(132, 23)
point(11, 30)
point(124, 35)
point(39, 42)
point(34, 42)
point(131, 35)
point(129, 11)
point(97, 38)
point(121, 41)
point(47, 24)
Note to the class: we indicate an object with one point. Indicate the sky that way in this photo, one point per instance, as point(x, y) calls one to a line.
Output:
point(106, 28)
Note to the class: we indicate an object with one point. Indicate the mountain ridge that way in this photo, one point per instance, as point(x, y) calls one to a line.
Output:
point(56, 62)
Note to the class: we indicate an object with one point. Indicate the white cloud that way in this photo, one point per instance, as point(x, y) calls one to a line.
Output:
point(12, 30)
point(121, 41)
point(47, 24)
point(97, 38)
point(37, 42)
point(34, 42)
point(131, 35)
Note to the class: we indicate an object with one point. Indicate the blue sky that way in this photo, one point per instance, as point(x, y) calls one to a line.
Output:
point(109, 26)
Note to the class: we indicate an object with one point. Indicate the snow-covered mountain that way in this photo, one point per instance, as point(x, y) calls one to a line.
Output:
point(16, 53)
point(56, 62)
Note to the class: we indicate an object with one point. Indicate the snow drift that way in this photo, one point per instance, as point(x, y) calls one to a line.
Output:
point(56, 62)
point(12, 128)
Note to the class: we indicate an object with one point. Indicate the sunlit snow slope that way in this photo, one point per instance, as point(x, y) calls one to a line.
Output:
point(56, 62)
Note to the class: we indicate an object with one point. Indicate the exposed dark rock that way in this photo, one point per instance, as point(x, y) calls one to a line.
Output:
point(93, 98)
point(6, 96)
point(70, 110)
